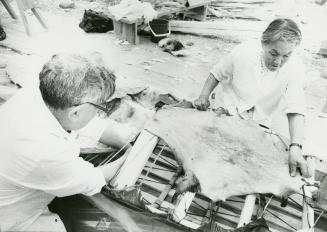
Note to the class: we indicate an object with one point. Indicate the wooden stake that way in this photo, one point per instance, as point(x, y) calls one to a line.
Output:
point(24, 5)
point(247, 210)
point(39, 17)
point(9, 9)
point(137, 158)
point(307, 212)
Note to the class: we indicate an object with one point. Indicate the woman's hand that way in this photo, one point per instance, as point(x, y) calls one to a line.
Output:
point(202, 103)
point(296, 160)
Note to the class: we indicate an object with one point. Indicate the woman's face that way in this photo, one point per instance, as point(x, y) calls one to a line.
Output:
point(276, 54)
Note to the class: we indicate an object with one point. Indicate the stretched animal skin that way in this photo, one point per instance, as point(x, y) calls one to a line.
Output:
point(228, 156)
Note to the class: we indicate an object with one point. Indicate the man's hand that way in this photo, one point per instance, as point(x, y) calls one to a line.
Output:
point(202, 103)
point(296, 160)
point(110, 169)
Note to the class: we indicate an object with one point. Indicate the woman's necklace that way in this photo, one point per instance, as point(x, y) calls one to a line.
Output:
point(264, 70)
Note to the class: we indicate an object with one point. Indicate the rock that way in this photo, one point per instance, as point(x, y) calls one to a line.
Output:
point(320, 2)
point(3, 63)
point(323, 73)
point(323, 48)
point(4, 79)
point(67, 5)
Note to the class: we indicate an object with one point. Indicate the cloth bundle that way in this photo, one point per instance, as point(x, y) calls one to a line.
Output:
point(132, 10)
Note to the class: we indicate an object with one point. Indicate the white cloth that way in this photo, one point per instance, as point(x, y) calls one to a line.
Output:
point(246, 83)
point(133, 10)
point(38, 161)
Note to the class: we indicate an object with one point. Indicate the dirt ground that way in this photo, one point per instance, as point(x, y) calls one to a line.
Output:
point(146, 64)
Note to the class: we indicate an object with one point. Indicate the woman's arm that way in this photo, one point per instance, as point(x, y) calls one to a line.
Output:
point(296, 127)
point(202, 102)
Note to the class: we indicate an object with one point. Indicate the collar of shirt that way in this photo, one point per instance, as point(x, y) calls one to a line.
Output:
point(37, 108)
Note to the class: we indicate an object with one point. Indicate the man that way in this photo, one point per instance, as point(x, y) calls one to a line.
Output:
point(39, 157)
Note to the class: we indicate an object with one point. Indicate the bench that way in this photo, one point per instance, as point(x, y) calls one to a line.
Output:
point(126, 29)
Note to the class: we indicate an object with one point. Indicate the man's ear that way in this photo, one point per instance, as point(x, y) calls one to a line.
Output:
point(74, 113)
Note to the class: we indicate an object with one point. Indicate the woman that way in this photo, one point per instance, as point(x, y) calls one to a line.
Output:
point(256, 76)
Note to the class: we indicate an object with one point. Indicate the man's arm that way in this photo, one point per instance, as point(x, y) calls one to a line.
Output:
point(202, 102)
point(115, 136)
point(296, 126)
point(109, 170)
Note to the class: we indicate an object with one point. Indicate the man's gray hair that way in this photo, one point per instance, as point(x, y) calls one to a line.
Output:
point(71, 79)
point(282, 30)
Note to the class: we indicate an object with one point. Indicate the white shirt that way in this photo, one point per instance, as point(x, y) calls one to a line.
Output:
point(247, 83)
point(38, 161)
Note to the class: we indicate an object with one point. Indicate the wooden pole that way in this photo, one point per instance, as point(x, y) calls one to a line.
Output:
point(247, 210)
point(9, 9)
point(137, 158)
point(308, 213)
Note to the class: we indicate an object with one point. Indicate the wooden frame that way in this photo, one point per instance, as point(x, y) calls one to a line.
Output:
point(149, 153)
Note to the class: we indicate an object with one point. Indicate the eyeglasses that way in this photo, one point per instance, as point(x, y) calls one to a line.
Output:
point(105, 108)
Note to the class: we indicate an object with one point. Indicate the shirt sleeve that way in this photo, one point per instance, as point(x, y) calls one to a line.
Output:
point(223, 70)
point(294, 95)
point(65, 175)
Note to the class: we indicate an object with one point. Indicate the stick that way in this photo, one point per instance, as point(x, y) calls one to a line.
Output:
point(308, 213)
point(247, 210)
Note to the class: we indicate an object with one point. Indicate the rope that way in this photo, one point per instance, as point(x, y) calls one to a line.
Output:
point(305, 202)
point(295, 202)
point(169, 162)
point(144, 179)
point(108, 159)
point(194, 218)
point(161, 169)
point(265, 208)
point(227, 214)
point(322, 212)
point(281, 220)
point(117, 173)
point(235, 201)
point(199, 205)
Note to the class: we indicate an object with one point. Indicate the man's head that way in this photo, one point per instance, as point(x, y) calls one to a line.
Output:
point(279, 40)
point(71, 84)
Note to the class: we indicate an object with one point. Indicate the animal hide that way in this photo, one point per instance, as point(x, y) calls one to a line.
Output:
point(229, 156)
point(131, 108)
